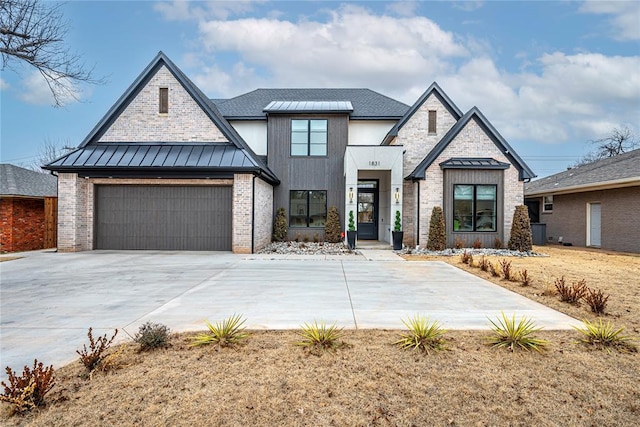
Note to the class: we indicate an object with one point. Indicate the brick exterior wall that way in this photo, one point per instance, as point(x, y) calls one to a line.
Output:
point(620, 214)
point(242, 213)
point(141, 122)
point(417, 142)
point(472, 141)
point(263, 214)
point(22, 224)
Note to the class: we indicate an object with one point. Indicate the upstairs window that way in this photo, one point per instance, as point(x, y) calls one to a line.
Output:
point(474, 207)
point(547, 204)
point(432, 121)
point(164, 101)
point(308, 137)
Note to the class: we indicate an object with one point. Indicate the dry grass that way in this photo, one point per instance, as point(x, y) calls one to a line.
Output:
point(270, 381)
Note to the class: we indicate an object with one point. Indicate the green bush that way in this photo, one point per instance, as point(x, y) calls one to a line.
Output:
point(152, 335)
point(508, 333)
point(227, 333)
point(521, 239)
point(27, 391)
point(398, 222)
point(319, 336)
point(605, 336)
point(280, 226)
point(437, 235)
point(423, 335)
point(332, 228)
point(352, 225)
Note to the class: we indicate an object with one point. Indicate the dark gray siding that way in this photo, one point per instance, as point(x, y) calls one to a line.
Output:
point(163, 217)
point(473, 176)
point(307, 173)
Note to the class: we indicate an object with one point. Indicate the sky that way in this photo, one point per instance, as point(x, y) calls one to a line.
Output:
point(551, 76)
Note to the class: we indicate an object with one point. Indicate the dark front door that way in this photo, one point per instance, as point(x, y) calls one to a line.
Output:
point(368, 210)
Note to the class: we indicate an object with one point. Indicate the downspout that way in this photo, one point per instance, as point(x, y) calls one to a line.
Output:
point(253, 213)
point(418, 218)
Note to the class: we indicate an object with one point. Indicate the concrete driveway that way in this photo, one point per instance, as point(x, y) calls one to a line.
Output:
point(49, 300)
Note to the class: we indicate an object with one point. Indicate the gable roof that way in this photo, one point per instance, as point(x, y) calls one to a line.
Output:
point(434, 89)
point(366, 103)
point(17, 181)
point(203, 102)
point(524, 172)
point(613, 172)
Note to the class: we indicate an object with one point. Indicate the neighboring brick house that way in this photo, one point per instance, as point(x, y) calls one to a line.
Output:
point(27, 209)
point(168, 168)
point(597, 204)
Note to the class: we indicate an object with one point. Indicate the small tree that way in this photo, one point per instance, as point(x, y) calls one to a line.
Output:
point(280, 226)
point(352, 225)
point(332, 231)
point(437, 234)
point(520, 239)
point(398, 223)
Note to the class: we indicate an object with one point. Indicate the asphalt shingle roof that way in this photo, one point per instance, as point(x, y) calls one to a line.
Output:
point(367, 104)
point(621, 167)
point(17, 181)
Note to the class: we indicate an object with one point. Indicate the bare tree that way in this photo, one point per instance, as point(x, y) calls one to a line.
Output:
point(33, 32)
point(47, 153)
point(619, 141)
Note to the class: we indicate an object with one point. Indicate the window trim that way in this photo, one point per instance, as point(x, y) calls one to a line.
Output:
point(432, 122)
point(474, 211)
point(308, 143)
point(544, 204)
point(163, 100)
point(308, 210)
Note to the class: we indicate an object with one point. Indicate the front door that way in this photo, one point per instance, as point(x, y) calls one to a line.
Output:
point(368, 210)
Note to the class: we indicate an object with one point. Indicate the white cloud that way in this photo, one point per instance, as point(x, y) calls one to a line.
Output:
point(468, 5)
point(625, 21)
point(4, 85)
point(402, 7)
point(181, 10)
point(36, 91)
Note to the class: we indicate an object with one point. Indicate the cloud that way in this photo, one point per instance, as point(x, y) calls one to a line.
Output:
point(36, 91)
point(180, 10)
point(625, 21)
point(402, 7)
point(4, 85)
point(467, 5)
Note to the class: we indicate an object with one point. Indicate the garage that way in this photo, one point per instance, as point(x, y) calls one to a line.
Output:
point(163, 217)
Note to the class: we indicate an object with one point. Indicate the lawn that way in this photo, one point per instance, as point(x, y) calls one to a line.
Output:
point(269, 381)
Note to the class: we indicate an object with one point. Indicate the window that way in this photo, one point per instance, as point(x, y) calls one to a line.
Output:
point(474, 207)
point(164, 101)
point(432, 121)
point(307, 208)
point(308, 137)
point(547, 204)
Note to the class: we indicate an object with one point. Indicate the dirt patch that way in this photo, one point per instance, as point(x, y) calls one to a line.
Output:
point(269, 381)
point(9, 258)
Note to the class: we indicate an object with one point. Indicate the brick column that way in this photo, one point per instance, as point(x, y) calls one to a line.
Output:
point(242, 213)
point(75, 213)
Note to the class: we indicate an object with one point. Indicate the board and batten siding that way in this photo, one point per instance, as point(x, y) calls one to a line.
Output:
point(473, 176)
point(308, 173)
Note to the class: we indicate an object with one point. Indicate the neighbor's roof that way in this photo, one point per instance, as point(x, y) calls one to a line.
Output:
point(17, 181)
point(618, 171)
point(366, 104)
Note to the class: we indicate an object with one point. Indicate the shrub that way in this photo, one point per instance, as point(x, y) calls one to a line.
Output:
point(505, 266)
point(226, 333)
point(423, 335)
point(319, 336)
point(605, 336)
point(466, 258)
point(332, 227)
point(477, 244)
point(497, 243)
point(495, 272)
point(27, 391)
point(525, 279)
point(397, 225)
point(520, 239)
point(280, 226)
point(484, 264)
point(152, 335)
point(571, 293)
point(458, 243)
point(97, 351)
point(596, 300)
point(352, 225)
point(507, 333)
point(437, 235)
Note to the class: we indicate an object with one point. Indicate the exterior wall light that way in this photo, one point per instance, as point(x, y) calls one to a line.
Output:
point(350, 194)
point(397, 195)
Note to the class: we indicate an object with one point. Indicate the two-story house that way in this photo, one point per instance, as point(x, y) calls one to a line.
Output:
point(168, 168)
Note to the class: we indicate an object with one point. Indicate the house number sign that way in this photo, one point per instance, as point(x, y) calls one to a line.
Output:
point(374, 162)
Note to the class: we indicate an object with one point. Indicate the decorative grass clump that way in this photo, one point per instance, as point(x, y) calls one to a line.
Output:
point(152, 335)
point(507, 333)
point(605, 336)
point(227, 333)
point(319, 336)
point(423, 335)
